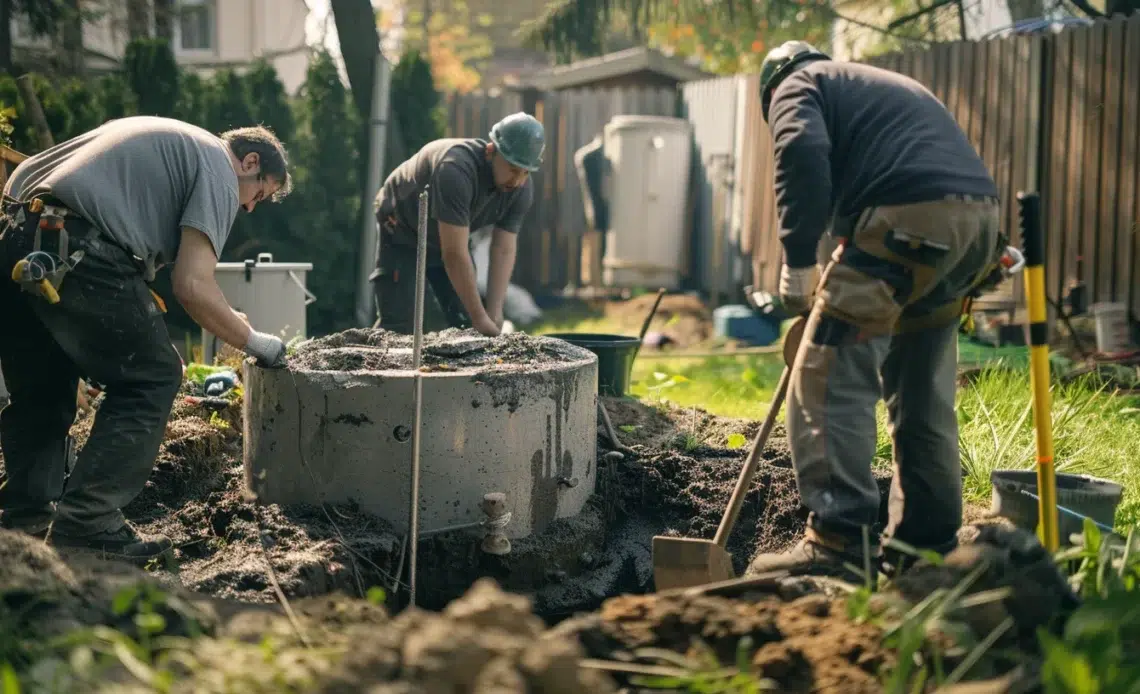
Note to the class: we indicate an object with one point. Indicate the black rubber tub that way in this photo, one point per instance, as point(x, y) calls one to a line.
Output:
point(615, 358)
point(1089, 496)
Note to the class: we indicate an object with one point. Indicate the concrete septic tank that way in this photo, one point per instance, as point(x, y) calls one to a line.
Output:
point(513, 415)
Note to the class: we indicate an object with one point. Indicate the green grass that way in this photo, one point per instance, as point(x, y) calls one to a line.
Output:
point(726, 386)
point(1094, 432)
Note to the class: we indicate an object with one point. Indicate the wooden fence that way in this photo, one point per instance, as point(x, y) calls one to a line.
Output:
point(1058, 114)
point(554, 241)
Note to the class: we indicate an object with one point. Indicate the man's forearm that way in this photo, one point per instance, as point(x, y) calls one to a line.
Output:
point(498, 277)
point(461, 272)
point(206, 304)
point(803, 192)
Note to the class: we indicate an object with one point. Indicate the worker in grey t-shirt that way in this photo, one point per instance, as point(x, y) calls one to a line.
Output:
point(85, 225)
point(474, 183)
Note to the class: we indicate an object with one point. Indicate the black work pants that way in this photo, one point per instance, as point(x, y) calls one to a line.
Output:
point(395, 290)
point(106, 328)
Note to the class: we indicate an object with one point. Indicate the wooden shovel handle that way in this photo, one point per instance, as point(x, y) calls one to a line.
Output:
point(791, 346)
point(750, 464)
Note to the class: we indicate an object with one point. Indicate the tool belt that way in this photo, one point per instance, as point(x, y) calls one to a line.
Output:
point(59, 239)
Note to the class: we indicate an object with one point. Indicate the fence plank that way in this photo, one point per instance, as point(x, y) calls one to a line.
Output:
point(1109, 237)
point(1093, 88)
point(1073, 188)
point(1129, 203)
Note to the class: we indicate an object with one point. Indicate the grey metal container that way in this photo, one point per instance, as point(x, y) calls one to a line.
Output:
point(1089, 496)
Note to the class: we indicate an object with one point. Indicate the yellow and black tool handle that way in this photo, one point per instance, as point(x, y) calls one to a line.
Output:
point(1033, 241)
point(33, 273)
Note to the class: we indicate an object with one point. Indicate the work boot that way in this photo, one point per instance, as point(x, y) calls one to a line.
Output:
point(817, 556)
point(37, 526)
point(125, 544)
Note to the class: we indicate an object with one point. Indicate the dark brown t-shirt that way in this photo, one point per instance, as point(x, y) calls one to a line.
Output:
point(848, 136)
point(463, 193)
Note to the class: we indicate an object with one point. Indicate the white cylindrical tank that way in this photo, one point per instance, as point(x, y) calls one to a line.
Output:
point(648, 189)
point(273, 296)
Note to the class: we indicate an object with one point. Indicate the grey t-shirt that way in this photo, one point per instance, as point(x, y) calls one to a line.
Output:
point(463, 193)
point(139, 180)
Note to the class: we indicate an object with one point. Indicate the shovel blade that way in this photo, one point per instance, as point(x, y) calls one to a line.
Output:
point(684, 562)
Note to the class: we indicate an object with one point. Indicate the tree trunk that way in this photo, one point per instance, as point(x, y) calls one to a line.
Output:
point(138, 19)
point(71, 38)
point(164, 19)
point(6, 37)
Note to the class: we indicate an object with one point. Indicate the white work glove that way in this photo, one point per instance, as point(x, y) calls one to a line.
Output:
point(268, 350)
point(797, 286)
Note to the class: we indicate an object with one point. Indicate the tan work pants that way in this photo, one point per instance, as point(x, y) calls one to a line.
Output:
point(902, 265)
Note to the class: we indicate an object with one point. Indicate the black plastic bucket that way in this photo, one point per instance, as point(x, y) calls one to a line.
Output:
point(1089, 496)
point(615, 358)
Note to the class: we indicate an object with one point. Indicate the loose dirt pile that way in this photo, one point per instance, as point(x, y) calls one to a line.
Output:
point(675, 478)
point(448, 350)
point(676, 482)
point(684, 472)
point(685, 320)
point(87, 625)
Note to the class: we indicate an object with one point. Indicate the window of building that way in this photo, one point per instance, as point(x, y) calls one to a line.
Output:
point(195, 25)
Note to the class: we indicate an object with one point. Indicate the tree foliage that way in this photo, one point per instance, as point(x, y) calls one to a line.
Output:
point(151, 71)
point(42, 15)
point(416, 102)
point(726, 47)
point(329, 222)
point(571, 29)
point(457, 46)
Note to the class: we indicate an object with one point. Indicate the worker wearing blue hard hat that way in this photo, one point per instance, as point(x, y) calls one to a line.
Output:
point(474, 183)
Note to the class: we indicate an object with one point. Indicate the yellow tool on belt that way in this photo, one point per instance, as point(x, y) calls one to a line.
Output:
point(1011, 262)
point(41, 272)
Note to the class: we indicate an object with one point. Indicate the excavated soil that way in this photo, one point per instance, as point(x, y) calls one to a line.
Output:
point(364, 349)
point(674, 476)
point(684, 320)
point(674, 479)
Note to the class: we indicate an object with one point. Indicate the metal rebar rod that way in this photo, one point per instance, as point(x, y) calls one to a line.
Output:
point(417, 380)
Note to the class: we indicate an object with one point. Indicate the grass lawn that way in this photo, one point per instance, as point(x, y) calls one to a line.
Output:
point(1094, 432)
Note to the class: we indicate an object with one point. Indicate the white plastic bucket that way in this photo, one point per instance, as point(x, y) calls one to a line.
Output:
point(1111, 328)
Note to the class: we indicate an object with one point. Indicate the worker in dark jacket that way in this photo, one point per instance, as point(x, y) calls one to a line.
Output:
point(474, 183)
point(876, 159)
point(85, 226)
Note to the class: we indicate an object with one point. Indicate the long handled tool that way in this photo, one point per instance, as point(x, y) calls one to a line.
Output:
point(1029, 209)
point(602, 414)
point(417, 380)
point(683, 562)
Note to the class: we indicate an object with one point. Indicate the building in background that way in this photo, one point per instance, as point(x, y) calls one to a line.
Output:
point(205, 34)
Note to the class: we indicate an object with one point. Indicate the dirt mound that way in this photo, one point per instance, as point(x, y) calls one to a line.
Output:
point(684, 474)
point(684, 319)
point(1008, 559)
point(804, 645)
point(364, 349)
point(486, 642)
point(112, 617)
point(677, 478)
